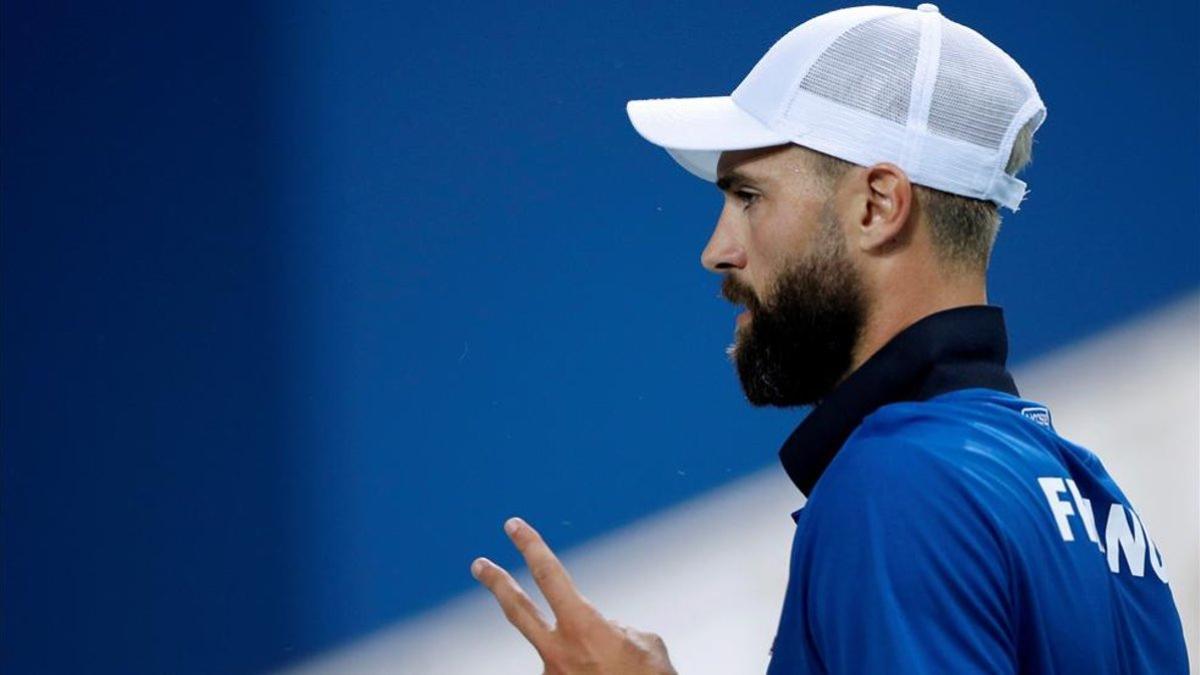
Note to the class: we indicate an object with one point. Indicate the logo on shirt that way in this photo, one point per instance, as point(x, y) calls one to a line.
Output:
point(1038, 414)
point(1124, 535)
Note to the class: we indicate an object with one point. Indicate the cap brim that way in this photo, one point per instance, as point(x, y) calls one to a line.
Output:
point(695, 131)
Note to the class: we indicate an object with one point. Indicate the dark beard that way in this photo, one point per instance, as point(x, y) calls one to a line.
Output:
point(801, 344)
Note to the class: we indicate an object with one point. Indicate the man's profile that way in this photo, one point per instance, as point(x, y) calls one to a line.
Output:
point(948, 527)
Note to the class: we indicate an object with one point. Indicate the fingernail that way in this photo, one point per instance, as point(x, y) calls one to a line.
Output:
point(511, 525)
point(477, 567)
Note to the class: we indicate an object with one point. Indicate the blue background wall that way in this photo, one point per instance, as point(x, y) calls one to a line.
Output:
point(301, 300)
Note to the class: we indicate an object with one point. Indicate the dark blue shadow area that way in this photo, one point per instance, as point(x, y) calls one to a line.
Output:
point(302, 300)
point(146, 475)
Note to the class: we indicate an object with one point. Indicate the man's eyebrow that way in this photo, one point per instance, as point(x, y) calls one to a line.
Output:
point(726, 182)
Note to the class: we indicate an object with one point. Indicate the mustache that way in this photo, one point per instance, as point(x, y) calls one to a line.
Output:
point(739, 294)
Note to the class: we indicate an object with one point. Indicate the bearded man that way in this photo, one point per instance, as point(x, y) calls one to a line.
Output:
point(948, 527)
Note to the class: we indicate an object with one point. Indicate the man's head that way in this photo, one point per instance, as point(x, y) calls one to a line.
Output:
point(817, 249)
point(863, 160)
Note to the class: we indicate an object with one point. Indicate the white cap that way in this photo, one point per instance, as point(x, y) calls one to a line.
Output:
point(868, 85)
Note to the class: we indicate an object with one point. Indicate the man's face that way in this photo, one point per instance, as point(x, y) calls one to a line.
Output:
point(784, 258)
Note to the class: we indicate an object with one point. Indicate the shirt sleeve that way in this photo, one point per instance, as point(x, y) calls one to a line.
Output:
point(907, 571)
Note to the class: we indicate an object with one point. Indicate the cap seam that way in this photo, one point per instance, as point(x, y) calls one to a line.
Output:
point(924, 80)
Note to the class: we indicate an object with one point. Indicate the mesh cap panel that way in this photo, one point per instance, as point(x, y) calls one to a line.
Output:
point(870, 67)
point(977, 93)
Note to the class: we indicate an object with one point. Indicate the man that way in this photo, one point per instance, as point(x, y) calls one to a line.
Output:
point(948, 527)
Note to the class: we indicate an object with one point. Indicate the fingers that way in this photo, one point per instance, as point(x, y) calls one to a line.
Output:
point(547, 571)
point(518, 608)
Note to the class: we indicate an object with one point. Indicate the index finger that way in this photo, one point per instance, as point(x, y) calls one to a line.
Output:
point(547, 571)
point(517, 607)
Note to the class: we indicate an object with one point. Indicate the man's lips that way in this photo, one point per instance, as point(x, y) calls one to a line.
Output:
point(744, 317)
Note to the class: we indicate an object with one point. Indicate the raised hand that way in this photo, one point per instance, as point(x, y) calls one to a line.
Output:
point(581, 639)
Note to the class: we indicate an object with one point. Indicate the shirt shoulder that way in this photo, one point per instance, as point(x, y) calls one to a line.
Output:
point(973, 429)
point(972, 447)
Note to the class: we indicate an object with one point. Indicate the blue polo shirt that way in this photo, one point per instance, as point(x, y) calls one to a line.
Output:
point(950, 529)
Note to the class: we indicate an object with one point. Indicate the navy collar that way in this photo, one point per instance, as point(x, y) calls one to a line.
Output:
point(960, 348)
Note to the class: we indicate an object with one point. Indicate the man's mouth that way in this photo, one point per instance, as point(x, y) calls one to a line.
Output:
point(739, 295)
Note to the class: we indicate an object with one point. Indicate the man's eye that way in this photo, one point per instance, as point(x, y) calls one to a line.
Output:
point(747, 198)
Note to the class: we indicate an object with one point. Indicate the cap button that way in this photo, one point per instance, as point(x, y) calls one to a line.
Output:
point(927, 7)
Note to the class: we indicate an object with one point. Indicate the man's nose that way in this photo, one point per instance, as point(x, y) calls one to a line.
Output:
point(723, 250)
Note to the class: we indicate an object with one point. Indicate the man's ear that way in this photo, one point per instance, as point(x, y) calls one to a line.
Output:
point(886, 205)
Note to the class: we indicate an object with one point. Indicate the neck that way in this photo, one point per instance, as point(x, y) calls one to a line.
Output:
point(908, 306)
